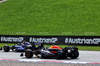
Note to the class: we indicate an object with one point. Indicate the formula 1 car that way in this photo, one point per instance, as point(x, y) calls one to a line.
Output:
point(16, 48)
point(54, 52)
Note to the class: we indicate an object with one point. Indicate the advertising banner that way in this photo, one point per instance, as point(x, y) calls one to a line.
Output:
point(60, 40)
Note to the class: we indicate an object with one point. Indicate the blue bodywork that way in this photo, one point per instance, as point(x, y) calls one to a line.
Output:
point(20, 47)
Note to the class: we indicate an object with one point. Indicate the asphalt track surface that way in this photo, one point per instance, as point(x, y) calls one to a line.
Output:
point(85, 56)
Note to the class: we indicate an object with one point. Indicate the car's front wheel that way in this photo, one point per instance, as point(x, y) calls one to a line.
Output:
point(28, 53)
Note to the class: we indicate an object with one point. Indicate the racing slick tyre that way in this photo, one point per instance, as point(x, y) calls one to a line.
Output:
point(6, 48)
point(74, 55)
point(28, 53)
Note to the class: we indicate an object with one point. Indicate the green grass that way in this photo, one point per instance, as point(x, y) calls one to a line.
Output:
point(50, 17)
point(90, 48)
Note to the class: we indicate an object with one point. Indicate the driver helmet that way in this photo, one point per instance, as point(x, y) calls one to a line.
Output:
point(52, 45)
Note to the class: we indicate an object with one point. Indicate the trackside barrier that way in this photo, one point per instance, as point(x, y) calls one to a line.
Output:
point(60, 40)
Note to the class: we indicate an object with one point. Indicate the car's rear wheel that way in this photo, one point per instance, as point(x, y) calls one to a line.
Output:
point(6, 48)
point(28, 53)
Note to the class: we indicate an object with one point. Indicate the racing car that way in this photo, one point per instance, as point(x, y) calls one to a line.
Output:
point(20, 47)
point(54, 52)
